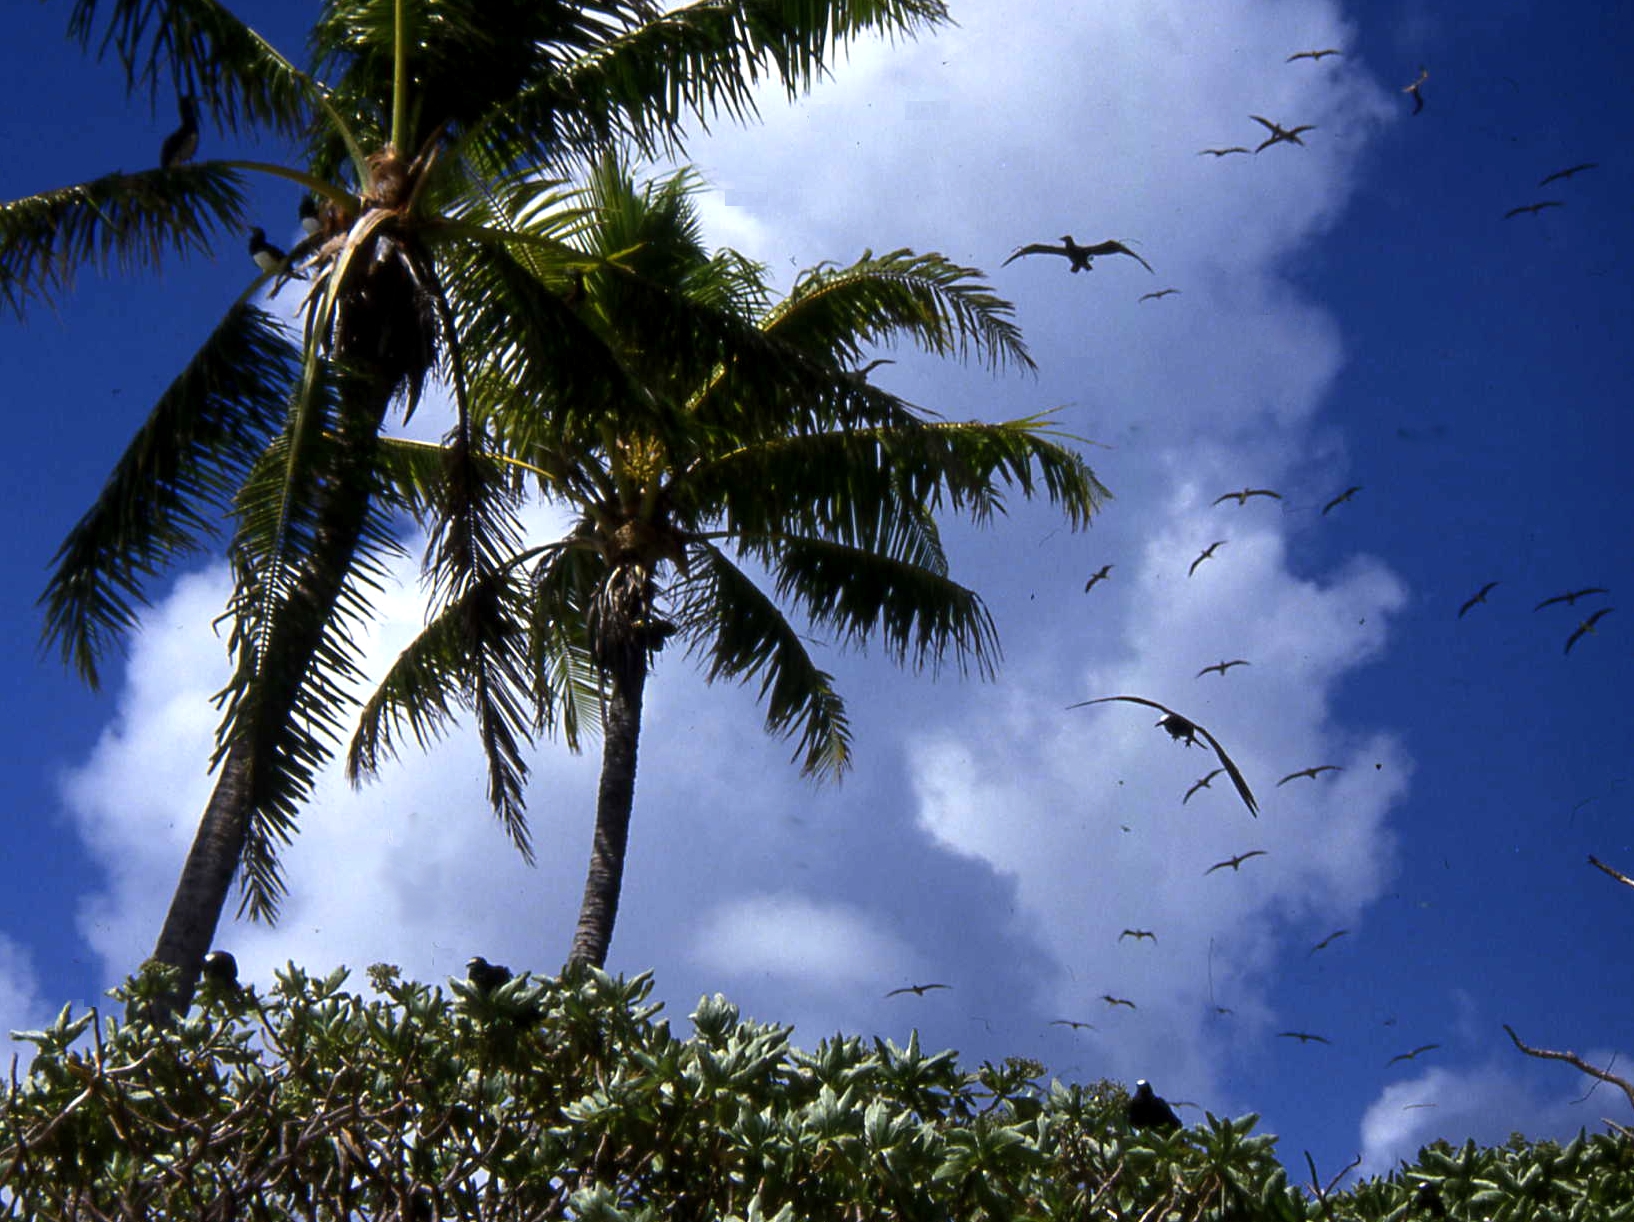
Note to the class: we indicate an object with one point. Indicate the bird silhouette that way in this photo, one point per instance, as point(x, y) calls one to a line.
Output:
point(1413, 89)
point(1304, 1037)
point(1568, 172)
point(1074, 1024)
point(1137, 934)
point(1408, 1056)
point(1235, 148)
point(1536, 208)
point(181, 144)
point(1571, 598)
point(1208, 552)
point(1222, 667)
point(1313, 55)
point(1242, 497)
point(485, 977)
point(1078, 256)
point(1187, 730)
point(221, 968)
point(1327, 941)
point(918, 990)
point(1280, 134)
point(1147, 1111)
point(1100, 574)
point(1587, 626)
point(1236, 863)
point(1478, 597)
point(1201, 784)
point(1117, 1001)
point(1341, 498)
point(1611, 870)
point(1155, 296)
point(1310, 772)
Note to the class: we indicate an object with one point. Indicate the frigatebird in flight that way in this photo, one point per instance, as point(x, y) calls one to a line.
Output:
point(1074, 1024)
point(1078, 256)
point(1569, 171)
point(1200, 784)
point(1571, 598)
point(1341, 498)
point(1242, 497)
point(1100, 574)
point(1222, 667)
point(918, 990)
point(1186, 730)
point(1536, 208)
point(1310, 772)
point(1478, 597)
point(1236, 863)
point(1235, 148)
point(1137, 934)
point(1587, 626)
point(1304, 1037)
point(1408, 1056)
point(1413, 89)
point(1208, 553)
point(1327, 941)
point(1280, 134)
point(1117, 1001)
point(1155, 296)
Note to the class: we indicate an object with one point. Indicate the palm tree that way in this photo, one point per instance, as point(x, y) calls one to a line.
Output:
point(732, 465)
point(408, 111)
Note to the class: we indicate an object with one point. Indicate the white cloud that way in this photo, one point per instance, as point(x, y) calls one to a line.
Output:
point(22, 1006)
point(808, 943)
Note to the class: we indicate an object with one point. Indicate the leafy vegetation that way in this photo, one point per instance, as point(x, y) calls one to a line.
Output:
point(571, 1097)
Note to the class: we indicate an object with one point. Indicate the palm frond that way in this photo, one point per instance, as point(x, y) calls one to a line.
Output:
point(948, 310)
point(172, 485)
point(565, 676)
point(739, 630)
point(920, 616)
point(119, 221)
point(199, 47)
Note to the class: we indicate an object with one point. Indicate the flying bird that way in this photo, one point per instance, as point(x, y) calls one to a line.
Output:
point(1408, 1056)
point(1236, 863)
point(1611, 870)
point(1074, 1024)
point(1587, 626)
point(1235, 148)
point(1181, 728)
point(308, 212)
point(1313, 55)
point(1148, 1111)
point(918, 990)
point(1202, 784)
point(1304, 1037)
point(1137, 934)
point(485, 977)
point(1571, 599)
point(1413, 89)
point(1536, 208)
point(1208, 552)
point(1280, 134)
point(1242, 497)
point(1568, 172)
point(182, 143)
point(1327, 941)
point(1478, 597)
point(1156, 295)
point(1222, 667)
point(1310, 772)
point(221, 968)
point(1078, 256)
point(1342, 498)
point(1100, 574)
point(1117, 1001)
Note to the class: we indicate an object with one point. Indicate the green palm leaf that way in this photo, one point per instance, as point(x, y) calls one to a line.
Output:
point(172, 486)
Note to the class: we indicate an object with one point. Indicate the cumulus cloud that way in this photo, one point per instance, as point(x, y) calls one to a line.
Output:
point(22, 1006)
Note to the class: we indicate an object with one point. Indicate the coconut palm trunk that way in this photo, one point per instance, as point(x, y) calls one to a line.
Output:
point(615, 799)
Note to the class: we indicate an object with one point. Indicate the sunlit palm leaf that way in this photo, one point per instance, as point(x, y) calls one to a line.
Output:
point(116, 222)
point(173, 485)
point(732, 624)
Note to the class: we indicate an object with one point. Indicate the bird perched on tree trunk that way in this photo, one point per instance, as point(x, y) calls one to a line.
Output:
point(182, 143)
point(1149, 1111)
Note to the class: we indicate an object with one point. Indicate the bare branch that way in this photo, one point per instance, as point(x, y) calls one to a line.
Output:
point(1576, 1062)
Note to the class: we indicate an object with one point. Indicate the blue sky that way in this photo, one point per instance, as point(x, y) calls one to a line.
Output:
point(1358, 311)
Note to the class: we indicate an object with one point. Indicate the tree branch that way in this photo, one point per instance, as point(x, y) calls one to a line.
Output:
point(1576, 1062)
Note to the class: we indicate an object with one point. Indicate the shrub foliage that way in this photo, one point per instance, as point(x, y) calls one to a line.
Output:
point(571, 1098)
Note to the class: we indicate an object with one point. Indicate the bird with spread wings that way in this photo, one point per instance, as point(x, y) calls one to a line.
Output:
point(1188, 731)
point(1079, 256)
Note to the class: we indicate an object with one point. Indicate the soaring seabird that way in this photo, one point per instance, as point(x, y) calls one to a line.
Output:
point(1079, 256)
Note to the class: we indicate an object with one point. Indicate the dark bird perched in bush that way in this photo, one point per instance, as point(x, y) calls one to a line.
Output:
point(182, 143)
point(1149, 1111)
point(485, 976)
point(221, 968)
point(1186, 730)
